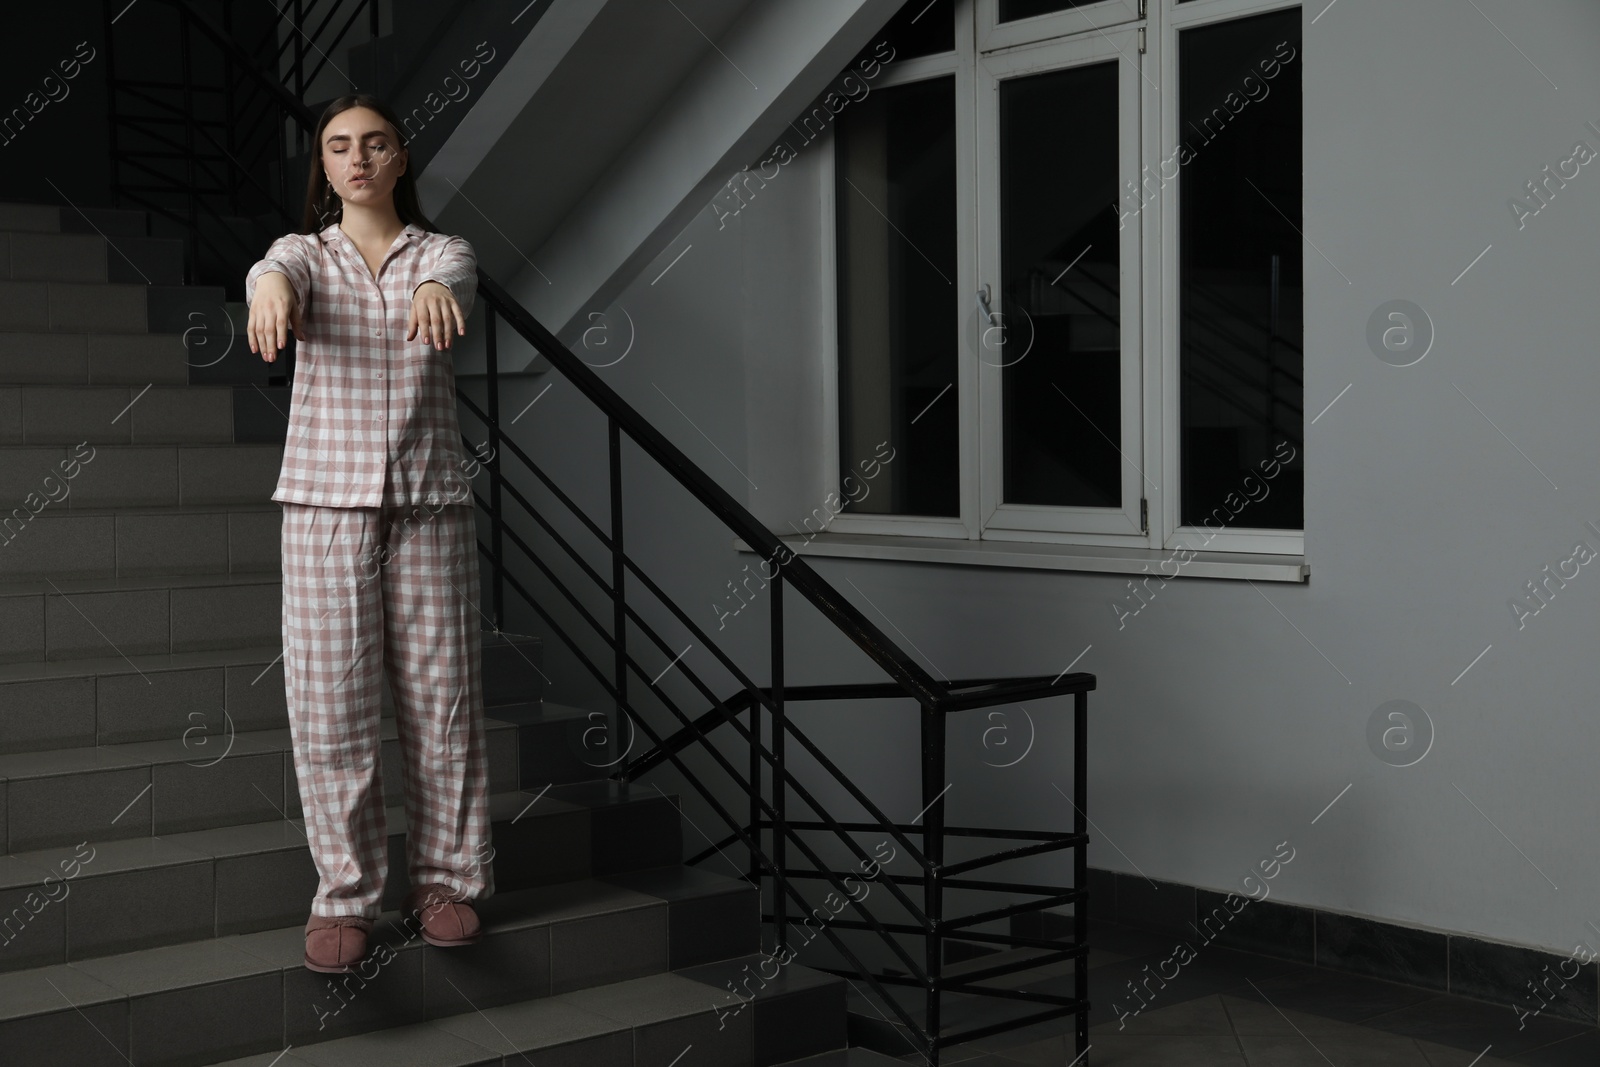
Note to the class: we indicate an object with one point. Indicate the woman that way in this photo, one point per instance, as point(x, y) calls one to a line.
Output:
point(380, 567)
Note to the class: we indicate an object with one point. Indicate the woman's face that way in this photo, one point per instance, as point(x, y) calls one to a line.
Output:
point(361, 156)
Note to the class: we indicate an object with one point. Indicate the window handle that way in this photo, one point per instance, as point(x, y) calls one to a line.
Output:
point(983, 303)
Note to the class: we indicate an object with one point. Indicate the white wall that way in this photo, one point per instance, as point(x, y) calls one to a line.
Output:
point(1218, 730)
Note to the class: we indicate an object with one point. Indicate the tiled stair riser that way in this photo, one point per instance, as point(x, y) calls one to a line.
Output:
point(146, 892)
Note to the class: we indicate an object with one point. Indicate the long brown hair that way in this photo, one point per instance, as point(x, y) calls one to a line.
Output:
point(323, 207)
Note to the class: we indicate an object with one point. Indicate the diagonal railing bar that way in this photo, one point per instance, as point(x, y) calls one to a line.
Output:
point(325, 47)
point(708, 720)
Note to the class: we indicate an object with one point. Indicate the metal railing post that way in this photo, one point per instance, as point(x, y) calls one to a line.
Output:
point(756, 871)
point(933, 790)
point(619, 611)
point(780, 827)
point(192, 268)
point(496, 518)
point(1080, 863)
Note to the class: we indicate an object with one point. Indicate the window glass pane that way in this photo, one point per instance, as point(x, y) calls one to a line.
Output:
point(919, 28)
point(1011, 10)
point(1240, 283)
point(898, 316)
point(1059, 336)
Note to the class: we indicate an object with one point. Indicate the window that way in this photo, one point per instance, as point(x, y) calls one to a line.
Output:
point(1065, 271)
point(898, 321)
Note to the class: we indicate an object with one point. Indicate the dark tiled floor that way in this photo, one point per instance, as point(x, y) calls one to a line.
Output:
point(1235, 1009)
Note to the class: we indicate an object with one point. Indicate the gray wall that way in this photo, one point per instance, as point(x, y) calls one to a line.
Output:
point(1218, 729)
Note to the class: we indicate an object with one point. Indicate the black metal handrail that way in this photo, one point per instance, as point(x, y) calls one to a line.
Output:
point(767, 830)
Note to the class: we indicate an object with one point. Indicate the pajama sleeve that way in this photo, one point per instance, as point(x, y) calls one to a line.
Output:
point(456, 266)
point(287, 256)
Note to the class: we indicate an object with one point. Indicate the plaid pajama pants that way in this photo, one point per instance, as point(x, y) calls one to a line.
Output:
point(369, 589)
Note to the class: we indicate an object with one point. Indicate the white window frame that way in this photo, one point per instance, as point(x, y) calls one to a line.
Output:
point(965, 525)
point(1150, 296)
point(993, 34)
point(1033, 522)
point(1243, 539)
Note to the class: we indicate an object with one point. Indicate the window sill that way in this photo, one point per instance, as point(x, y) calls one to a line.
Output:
point(1259, 567)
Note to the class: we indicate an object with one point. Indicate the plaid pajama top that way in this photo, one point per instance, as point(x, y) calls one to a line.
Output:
point(372, 416)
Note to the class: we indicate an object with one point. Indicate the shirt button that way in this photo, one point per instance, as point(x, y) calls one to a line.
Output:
point(377, 333)
point(377, 374)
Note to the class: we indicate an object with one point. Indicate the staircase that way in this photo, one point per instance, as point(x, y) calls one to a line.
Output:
point(157, 876)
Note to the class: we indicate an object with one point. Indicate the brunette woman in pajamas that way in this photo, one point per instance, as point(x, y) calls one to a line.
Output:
point(380, 564)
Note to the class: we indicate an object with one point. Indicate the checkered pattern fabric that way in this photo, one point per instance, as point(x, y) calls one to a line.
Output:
point(372, 416)
point(365, 591)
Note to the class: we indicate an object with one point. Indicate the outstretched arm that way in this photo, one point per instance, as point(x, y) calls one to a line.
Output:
point(441, 308)
point(287, 272)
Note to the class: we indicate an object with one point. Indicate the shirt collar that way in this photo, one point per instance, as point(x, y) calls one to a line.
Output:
point(334, 236)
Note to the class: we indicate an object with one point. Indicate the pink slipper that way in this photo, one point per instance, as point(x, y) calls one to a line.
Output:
point(336, 944)
point(446, 920)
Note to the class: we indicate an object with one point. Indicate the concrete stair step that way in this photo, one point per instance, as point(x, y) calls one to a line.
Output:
point(112, 221)
point(194, 781)
point(107, 700)
point(75, 307)
point(91, 257)
point(96, 474)
point(110, 700)
point(43, 540)
point(71, 618)
point(129, 894)
point(207, 348)
point(561, 743)
point(116, 414)
point(199, 315)
point(642, 1022)
point(161, 744)
point(85, 357)
point(618, 964)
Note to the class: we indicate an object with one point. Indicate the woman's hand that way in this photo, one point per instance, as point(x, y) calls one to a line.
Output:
point(434, 310)
point(273, 313)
